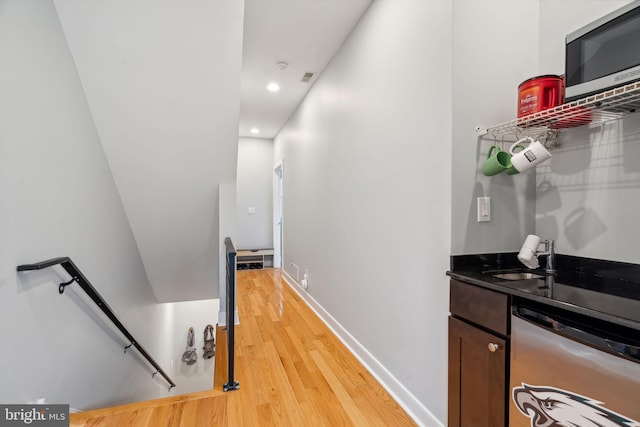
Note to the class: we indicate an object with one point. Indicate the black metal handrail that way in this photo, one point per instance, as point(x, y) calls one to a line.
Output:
point(231, 384)
point(77, 276)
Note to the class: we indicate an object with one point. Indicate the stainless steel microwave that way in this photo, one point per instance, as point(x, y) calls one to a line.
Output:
point(603, 54)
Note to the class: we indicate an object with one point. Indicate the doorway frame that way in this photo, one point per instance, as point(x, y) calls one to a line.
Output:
point(278, 221)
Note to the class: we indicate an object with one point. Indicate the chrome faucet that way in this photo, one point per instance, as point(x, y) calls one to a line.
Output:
point(550, 253)
point(529, 253)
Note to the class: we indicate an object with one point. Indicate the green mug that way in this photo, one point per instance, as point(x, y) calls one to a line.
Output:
point(512, 170)
point(496, 162)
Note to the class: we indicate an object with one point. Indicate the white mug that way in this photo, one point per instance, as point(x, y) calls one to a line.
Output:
point(527, 254)
point(529, 157)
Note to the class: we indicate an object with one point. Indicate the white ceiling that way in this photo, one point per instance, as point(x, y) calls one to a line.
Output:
point(304, 33)
point(171, 87)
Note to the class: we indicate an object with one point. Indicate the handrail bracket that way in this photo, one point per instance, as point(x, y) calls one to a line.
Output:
point(65, 284)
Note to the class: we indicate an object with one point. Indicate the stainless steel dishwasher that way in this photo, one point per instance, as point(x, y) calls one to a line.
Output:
point(568, 372)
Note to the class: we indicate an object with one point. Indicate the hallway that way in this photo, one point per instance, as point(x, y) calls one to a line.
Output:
point(292, 371)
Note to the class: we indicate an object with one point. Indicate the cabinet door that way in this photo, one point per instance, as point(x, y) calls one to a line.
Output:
point(477, 377)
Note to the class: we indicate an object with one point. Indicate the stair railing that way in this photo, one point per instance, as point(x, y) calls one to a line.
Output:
point(81, 280)
point(231, 384)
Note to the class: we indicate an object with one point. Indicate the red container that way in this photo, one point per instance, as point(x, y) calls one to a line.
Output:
point(540, 93)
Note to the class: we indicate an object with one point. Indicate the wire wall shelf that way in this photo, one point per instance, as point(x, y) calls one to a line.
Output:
point(595, 109)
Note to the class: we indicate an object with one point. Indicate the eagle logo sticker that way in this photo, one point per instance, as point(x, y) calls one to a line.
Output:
point(554, 407)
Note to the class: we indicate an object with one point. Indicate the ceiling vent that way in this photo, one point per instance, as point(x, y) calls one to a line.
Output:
point(307, 76)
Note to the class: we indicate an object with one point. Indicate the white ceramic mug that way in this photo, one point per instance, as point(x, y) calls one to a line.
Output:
point(527, 254)
point(531, 156)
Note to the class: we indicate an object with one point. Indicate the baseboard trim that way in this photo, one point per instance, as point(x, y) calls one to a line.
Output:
point(416, 410)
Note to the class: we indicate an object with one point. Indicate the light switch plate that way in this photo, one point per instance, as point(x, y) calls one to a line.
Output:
point(484, 209)
point(251, 210)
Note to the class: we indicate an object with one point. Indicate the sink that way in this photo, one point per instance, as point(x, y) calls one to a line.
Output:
point(517, 276)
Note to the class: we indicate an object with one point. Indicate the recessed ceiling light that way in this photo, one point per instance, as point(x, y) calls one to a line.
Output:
point(255, 131)
point(273, 87)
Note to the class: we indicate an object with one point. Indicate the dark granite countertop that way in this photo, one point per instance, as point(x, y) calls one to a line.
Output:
point(604, 290)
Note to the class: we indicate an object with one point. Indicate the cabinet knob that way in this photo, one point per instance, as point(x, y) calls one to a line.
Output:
point(493, 347)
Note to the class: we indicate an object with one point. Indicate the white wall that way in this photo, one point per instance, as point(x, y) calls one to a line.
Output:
point(254, 189)
point(58, 198)
point(367, 195)
point(162, 79)
point(588, 194)
point(171, 322)
point(495, 48)
point(227, 227)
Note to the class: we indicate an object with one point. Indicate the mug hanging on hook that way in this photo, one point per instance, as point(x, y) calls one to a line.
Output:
point(528, 157)
point(497, 160)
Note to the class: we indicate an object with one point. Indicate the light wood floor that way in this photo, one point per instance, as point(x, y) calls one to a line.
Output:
point(292, 371)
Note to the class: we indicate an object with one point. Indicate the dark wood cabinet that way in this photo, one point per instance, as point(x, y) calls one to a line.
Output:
point(477, 379)
point(478, 356)
point(481, 306)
